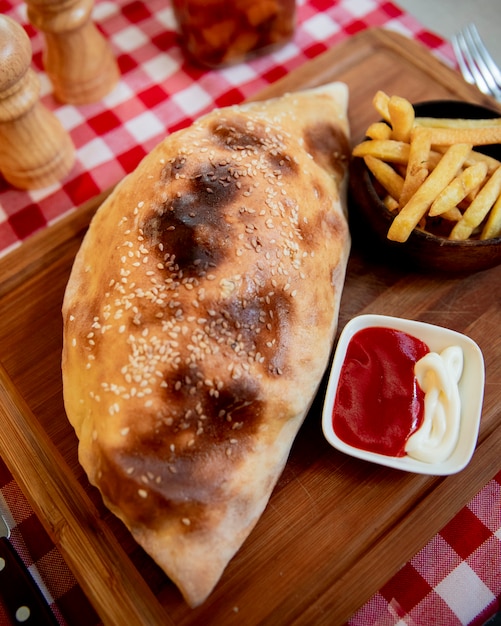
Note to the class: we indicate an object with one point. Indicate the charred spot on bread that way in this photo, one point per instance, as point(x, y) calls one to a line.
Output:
point(211, 409)
point(191, 225)
point(239, 134)
point(172, 169)
point(314, 230)
point(155, 473)
point(139, 486)
point(282, 163)
point(329, 146)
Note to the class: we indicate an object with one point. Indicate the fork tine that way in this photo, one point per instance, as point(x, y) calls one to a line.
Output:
point(467, 64)
point(484, 54)
point(457, 46)
point(478, 60)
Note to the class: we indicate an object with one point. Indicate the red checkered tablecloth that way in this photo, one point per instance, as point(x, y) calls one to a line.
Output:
point(456, 577)
point(454, 580)
point(159, 93)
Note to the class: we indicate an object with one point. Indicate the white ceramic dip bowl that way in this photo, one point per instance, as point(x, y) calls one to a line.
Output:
point(471, 392)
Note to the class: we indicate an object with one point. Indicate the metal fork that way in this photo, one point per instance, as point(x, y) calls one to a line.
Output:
point(476, 64)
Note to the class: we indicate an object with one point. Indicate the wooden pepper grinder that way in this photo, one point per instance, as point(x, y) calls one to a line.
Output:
point(35, 149)
point(77, 58)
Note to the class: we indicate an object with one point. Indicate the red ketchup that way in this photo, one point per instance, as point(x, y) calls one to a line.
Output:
point(379, 403)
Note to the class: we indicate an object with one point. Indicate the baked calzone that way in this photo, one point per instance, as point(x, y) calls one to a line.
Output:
point(198, 321)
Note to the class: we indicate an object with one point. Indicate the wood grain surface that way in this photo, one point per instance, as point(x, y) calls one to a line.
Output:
point(336, 528)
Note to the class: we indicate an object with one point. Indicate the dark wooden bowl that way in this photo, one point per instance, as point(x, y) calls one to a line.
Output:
point(370, 219)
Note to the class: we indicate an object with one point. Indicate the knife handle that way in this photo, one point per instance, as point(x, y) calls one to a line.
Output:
point(19, 591)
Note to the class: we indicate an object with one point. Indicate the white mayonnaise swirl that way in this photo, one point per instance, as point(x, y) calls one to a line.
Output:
point(438, 376)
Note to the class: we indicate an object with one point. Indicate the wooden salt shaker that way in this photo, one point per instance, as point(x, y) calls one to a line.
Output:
point(77, 58)
point(35, 149)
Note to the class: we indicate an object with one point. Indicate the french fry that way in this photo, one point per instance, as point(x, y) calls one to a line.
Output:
point(479, 208)
point(417, 167)
point(413, 183)
point(401, 114)
point(386, 175)
point(384, 149)
point(453, 215)
point(379, 130)
point(492, 226)
point(474, 157)
point(380, 103)
point(431, 174)
point(474, 136)
point(391, 204)
point(477, 157)
point(434, 158)
point(468, 180)
point(411, 214)
point(437, 122)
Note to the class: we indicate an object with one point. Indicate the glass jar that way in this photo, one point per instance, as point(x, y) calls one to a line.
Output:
point(216, 33)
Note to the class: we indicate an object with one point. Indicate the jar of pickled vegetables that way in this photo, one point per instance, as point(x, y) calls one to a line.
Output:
point(216, 33)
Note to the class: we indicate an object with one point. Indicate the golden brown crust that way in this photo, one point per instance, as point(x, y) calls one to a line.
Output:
point(198, 322)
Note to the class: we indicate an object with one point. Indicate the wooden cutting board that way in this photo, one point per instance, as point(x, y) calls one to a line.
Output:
point(335, 529)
